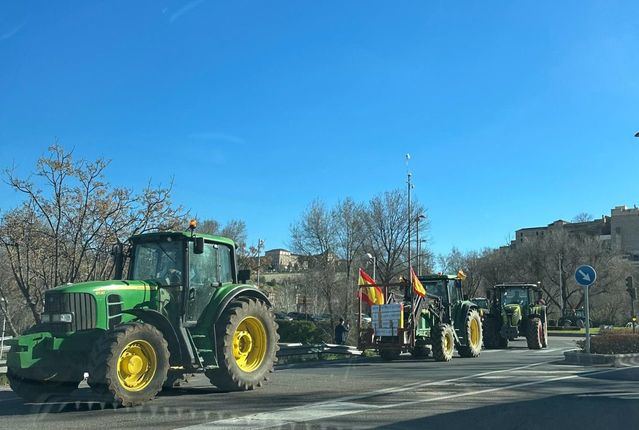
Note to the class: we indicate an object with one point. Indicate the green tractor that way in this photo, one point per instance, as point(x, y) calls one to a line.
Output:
point(516, 310)
point(183, 308)
point(442, 321)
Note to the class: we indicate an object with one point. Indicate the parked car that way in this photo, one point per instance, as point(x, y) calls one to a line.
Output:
point(322, 317)
point(301, 316)
point(282, 316)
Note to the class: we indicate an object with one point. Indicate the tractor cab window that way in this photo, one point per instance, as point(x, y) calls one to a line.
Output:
point(515, 296)
point(436, 288)
point(455, 293)
point(226, 269)
point(203, 267)
point(160, 261)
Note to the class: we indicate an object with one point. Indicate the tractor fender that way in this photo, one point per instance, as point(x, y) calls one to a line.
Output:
point(160, 322)
point(240, 291)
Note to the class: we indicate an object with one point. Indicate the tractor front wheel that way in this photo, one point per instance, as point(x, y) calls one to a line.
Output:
point(473, 335)
point(130, 363)
point(247, 346)
point(420, 351)
point(389, 354)
point(534, 334)
point(443, 341)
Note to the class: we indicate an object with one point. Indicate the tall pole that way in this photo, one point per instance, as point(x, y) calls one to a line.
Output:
point(410, 221)
point(260, 243)
point(587, 304)
point(4, 326)
point(374, 268)
point(561, 283)
point(419, 247)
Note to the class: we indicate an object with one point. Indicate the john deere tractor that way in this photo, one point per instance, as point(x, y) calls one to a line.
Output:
point(516, 310)
point(182, 308)
point(439, 322)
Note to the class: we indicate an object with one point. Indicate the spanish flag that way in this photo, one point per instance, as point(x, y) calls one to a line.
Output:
point(372, 295)
point(418, 288)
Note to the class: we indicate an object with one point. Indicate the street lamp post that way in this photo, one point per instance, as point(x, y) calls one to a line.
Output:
point(372, 258)
point(260, 244)
point(419, 245)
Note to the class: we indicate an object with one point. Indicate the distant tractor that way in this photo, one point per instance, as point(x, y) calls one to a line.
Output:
point(440, 322)
point(183, 308)
point(516, 311)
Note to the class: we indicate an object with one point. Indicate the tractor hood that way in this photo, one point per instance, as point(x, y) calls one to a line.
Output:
point(513, 309)
point(100, 288)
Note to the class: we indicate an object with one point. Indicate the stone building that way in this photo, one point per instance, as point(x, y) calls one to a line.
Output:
point(620, 230)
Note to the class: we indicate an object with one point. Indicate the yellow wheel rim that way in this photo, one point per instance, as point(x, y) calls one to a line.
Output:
point(249, 344)
point(475, 332)
point(137, 365)
point(448, 342)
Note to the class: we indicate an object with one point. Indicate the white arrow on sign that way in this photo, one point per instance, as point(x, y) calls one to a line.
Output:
point(584, 275)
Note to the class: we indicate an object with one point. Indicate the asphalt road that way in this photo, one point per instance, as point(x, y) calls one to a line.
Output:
point(512, 389)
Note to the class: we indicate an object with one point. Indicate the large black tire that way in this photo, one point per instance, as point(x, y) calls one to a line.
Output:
point(420, 351)
point(443, 342)
point(491, 336)
point(250, 324)
point(534, 333)
point(472, 335)
point(544, 338)
point(39, 391)
point(129, 364)
point(389, 354)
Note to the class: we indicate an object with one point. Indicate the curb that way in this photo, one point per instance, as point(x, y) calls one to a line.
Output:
point(611, 360)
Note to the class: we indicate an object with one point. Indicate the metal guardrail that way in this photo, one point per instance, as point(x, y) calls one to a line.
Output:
point(299, 349)
point(286, 350)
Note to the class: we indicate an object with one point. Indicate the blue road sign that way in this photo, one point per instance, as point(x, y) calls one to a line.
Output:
point(585, 275)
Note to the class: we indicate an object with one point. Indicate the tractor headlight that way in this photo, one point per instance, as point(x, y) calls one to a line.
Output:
point(57, 318)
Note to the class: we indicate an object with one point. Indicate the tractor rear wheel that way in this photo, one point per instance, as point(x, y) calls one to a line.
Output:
point(39, 391)
point(473, 335)
point(534, 333)
point(544, 338)
point(129, 364)
point(443, 341)
point(247, 346)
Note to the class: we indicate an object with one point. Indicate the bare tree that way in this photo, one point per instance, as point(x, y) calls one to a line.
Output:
point(386, 223)
point(70, 218)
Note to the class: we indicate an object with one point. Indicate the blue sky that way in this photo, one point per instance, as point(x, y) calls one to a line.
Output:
point(515, 113)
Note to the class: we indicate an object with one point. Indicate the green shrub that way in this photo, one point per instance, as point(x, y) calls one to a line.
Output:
point(613, 343)
point(299, 331)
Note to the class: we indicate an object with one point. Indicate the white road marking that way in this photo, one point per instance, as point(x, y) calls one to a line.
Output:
point(344, 405)
point(317, 411)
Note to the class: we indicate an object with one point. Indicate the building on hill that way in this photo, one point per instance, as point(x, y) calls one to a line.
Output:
point(620, 230)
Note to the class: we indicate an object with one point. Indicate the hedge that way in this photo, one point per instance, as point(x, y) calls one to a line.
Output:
point(613, 343)
point(309, 332)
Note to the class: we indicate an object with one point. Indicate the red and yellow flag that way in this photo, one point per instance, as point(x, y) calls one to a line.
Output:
point(373, 295)
point(418, 288)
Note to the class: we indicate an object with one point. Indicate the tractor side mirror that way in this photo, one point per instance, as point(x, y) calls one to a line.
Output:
point(198, 245)
point(489, 295)
point(244, 276)
point(466, 297)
